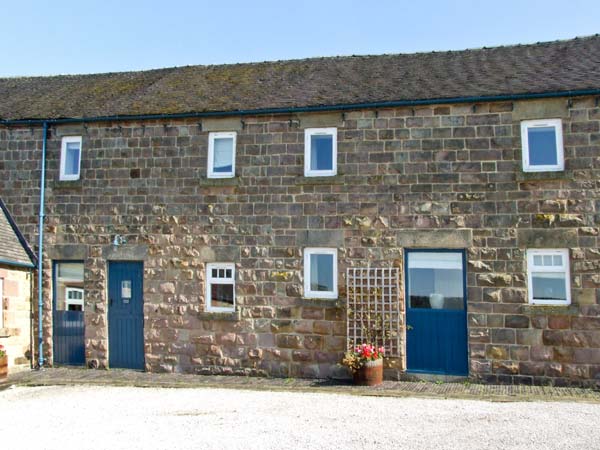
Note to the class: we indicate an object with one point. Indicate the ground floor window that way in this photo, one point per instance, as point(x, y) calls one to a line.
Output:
point(220, 287)
point(548, 276)
point(69, 293)
point(320, 273)
point(435, 279)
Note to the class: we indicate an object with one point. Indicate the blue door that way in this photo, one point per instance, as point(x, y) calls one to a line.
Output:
point(125, 315)
point(68, 327)
point(436, 335)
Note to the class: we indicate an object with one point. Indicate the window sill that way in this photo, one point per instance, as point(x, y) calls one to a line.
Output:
point(550, 309)
point(234, 316)
point(321, 302)
point(8, 332)
point(68, 184)
point(210, 182)
point(541, 176)
point(333, 179)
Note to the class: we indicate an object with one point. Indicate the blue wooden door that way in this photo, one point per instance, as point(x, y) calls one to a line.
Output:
point(68, 327)
point(125, 315)
point(436, 336)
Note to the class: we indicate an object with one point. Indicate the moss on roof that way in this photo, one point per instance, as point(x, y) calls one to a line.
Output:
point(537, 68)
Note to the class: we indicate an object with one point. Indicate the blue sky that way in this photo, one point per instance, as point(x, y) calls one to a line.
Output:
point(56, 37)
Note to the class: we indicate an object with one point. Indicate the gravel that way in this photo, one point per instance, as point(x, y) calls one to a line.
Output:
point(87, 417)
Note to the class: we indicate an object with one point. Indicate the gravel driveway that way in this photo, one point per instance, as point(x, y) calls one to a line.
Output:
point(88, 417)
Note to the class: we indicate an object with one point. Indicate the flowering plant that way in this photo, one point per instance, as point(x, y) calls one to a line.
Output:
point(2, 351)
point(357, 356)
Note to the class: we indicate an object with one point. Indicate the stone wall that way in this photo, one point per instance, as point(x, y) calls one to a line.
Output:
point(437, 176)
point(15, 336)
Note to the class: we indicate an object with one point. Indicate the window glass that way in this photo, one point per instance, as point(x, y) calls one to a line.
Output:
point(549, 286)
point(69, 293)
point(436, 280)
point(321, 273)
point(72, 155)
point(223, 155)
point(221, 295)
point(542, 146)
point(321, 147)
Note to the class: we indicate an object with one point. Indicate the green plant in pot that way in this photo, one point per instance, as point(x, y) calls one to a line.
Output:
point(365, 362)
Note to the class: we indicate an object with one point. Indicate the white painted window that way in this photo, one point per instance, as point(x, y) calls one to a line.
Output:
point(548, 277)
point(68, 292)
point(542, 144)
point(70, 158)
point(320, 152)
point(221, 154)
point(220, 287)
point(1, 303)
point(320, 273)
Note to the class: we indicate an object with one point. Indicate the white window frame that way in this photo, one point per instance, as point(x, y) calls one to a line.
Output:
point(532, 268)
point(308, 293)
point(69, 302)
point(560, 152)
point(210, 280)
point(211, 153)
point(63, 154)
point(308, 172)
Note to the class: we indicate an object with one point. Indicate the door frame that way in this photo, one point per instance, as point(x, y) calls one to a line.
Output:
point(463, 253)
point(108, 307)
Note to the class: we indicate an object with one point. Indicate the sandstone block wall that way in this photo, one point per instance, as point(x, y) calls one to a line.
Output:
point(438, 176)
point(15, 335)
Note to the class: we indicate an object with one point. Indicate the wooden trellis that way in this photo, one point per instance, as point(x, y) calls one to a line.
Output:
point(374, 308)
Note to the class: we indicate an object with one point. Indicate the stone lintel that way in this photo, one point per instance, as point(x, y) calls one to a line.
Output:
point(435, 238)
point(222, 124)
point(67, 252)
point(321, 120)
point(223, 254)
point(555, 108)
point(547, 238)
point(320, 238)
point(125, 252)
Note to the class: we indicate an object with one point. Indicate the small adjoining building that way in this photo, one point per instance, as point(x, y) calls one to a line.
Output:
point(260, 218)
point(17, 263)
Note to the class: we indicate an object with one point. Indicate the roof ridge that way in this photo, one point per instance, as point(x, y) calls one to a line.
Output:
point(297, 60)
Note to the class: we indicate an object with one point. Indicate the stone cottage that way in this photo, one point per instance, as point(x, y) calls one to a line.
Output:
point(259, 218)
point(17, 263)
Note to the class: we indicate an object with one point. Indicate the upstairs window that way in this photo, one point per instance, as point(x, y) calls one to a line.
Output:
point(70, 158)
point(548, 278)
point(542, 143)
point(320, 273)
point(221, 155)
point(320, 152)
point(220, 287)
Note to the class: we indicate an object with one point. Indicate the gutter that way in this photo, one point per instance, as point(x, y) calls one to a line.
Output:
point(41, 248)
point(302, 109)
point(8, 262)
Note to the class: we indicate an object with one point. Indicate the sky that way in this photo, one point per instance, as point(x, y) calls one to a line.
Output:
point(46, 37)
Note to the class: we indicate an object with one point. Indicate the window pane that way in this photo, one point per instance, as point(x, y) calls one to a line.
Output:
point(214, 273)
point(537, 260)
point(221, 295)
point(547, 260)
point(321, 273)
point(72, 159)
point(223, 155)
point(549, 286)
point(321, 152)
point(557, 260)
point(435, 280)
point(542, 146)
point(69, 287)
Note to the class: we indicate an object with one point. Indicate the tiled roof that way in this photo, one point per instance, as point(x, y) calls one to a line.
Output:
point(512, 70)
point(13, 247)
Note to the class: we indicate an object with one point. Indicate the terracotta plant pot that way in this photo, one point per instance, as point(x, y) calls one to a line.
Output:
point(3, 367)
point(371, 374)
